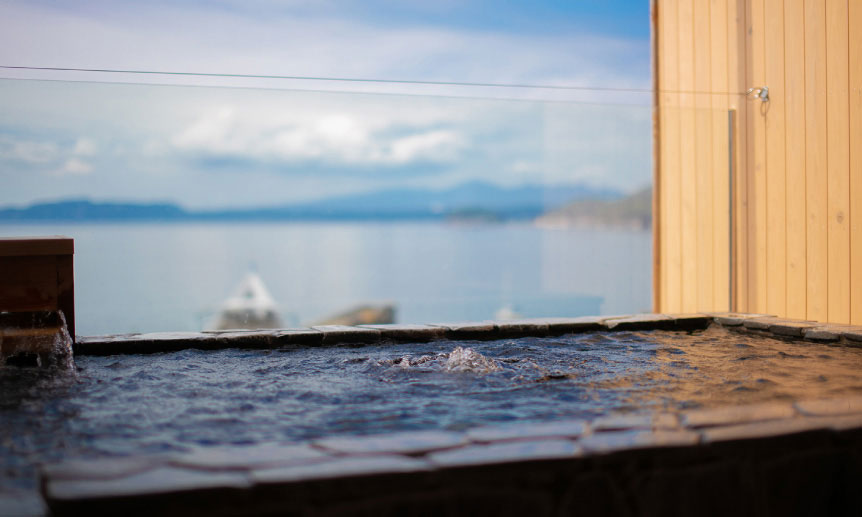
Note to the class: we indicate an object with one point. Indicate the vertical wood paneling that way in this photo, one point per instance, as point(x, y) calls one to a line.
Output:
point(688, 189)
point(720, 180)
point(794, 86)
point(797, 239)
point(671, 300)
point(855, 79)
point(776, 224)
point(703, 156)
point(815, 160)
point(838, 162)
point(755, 53)
point(736, 82)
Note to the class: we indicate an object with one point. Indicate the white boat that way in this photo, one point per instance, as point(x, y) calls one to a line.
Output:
point(252, 307)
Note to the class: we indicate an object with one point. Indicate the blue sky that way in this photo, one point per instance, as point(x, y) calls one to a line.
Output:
point(206, 142)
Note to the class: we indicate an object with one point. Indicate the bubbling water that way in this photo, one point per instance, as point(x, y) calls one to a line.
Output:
point(460, 359)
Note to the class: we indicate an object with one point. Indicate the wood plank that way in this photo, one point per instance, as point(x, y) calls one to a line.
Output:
point(688, 190)
point(718, 32)
point(28, 283)
point(794, 85)
point(50, 245)
point(776, 234)
point(657, 185)
point(855, 79)
point(815, 161)
point(736, 83)
point(671, 221)
point(755, 71)
point(703, 157)
point(838, 164)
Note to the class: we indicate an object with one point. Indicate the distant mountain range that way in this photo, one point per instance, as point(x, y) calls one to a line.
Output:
point(467, 199)
point(634, 212)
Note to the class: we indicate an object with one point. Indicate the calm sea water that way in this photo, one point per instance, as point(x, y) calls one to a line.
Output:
point(160, 277)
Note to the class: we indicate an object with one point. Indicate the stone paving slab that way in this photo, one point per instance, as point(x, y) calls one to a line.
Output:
point(823, 333)
point(622, 440)
point(830, 407)
point(639, 322)
point(522, 327)
point(694, 321)
point(335, 334)
point(737, 414)
point(101, 468)
point(529, 431)
point(506, 452)
point(791, 328)
point(735, 319)
point(340, 468)
point(557, 326)
point(762, 323)
point(16, 503)
point(408, 333)
point(248, 457)
point(764, 429)
point(623, 422)
point(470, 330)
point(411, 442)
point(297, 337)
point(160, 480)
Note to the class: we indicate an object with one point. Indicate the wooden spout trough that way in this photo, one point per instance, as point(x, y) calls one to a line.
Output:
point(37, 275)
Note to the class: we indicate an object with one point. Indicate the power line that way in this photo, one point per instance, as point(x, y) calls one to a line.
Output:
point(357, 80)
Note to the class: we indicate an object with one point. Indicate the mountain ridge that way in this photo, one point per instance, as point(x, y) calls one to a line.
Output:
point(525, 201)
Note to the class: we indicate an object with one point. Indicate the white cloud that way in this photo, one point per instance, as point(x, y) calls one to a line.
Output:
point(75, 166)
point(28, 151)
point(432, 146)
point(85, 147)
point(340, 138)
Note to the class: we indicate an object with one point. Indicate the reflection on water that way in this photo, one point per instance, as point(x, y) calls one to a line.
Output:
point(167, 402)
point(431, 272)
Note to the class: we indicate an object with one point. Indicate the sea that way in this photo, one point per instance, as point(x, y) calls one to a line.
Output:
point(154, 277)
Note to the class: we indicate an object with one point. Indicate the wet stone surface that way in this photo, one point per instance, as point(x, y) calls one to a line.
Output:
point(159, 480)
point(529, 431)
point(208, 419)
point(341, 467)
point(527, 450)
point(401, 443)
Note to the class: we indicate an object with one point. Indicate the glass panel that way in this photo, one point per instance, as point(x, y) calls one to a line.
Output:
point(441, 208)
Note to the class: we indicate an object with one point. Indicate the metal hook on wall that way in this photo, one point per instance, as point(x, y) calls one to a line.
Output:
point(761, 93)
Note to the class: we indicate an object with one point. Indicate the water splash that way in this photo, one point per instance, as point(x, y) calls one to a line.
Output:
point(469, 360)
point(460, 359)
point(36, 339)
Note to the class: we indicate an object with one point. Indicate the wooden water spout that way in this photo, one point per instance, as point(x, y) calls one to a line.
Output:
point(37, 293)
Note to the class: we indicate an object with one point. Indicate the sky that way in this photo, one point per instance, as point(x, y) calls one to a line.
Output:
point(207, 142)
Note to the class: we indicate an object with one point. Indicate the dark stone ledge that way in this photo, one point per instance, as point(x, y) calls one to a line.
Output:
point(762, 325)
point(484, 330)
point(413, 442)
point(408, 333)
point(529, 431)
point(731, 415)
point(338, 334)
point(750, 454)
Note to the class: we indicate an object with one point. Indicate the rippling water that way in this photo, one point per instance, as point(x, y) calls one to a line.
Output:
point(168, 402)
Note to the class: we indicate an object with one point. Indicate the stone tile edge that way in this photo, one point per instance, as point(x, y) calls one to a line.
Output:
point(757, 324)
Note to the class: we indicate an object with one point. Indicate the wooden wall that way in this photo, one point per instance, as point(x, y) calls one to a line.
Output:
point(795, 247)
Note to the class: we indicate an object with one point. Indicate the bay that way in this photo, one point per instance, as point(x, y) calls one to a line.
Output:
point(148, 277)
